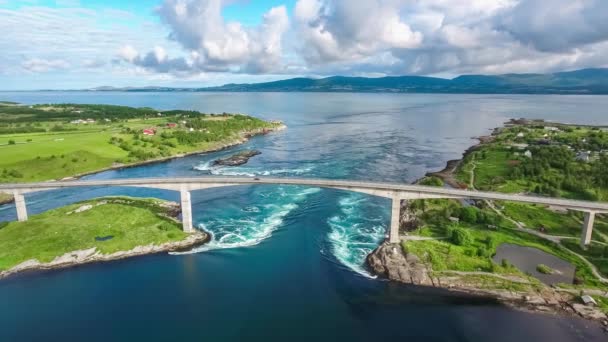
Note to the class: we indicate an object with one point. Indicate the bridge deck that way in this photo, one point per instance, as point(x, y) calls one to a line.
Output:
point(194, 183)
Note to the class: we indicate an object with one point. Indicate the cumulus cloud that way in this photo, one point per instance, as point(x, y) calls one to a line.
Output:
point(450, 36)
point(347, 30)
point(556, 25)
point(44, 65)
point(318, 37)
point(212, 44)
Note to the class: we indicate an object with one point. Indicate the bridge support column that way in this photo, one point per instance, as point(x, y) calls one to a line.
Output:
point(587, 228)
point(20, 206)
point(393, 235)
point(186, 211)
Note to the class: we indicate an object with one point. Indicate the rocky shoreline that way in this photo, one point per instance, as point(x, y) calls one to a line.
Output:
point(241, 140)
point(237, 159)
point(389, 261)
point(92, 255)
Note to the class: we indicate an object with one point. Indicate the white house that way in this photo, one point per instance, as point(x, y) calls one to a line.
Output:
point(528, 154)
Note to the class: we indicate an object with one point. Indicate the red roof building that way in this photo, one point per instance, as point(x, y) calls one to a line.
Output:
point(149, 131)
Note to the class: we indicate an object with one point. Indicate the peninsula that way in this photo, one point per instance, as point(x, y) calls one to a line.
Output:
point(62, 141)
point(58, 141)
point(498, 248)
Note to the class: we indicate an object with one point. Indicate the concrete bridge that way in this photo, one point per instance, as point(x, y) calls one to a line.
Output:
point(393, 191)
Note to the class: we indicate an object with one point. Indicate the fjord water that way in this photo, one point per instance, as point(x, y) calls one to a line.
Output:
point(285, 262)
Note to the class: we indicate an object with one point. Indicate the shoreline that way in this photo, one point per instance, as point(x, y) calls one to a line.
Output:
point(81, 257)
point(388, 261)
point(245, 137)
point(551, 301)
point(92, 255)
point(448, 172)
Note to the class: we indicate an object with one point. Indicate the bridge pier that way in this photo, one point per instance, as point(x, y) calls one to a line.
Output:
point(20, 206)
point(587, 228)
point(186, 211)
point(393, 235)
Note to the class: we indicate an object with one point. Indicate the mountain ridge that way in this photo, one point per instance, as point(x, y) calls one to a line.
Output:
point(583, 81)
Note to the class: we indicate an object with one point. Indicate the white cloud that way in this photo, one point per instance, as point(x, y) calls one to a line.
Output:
point(194, 41)
point(342, 30)
point(213, 44)
point(44, 65)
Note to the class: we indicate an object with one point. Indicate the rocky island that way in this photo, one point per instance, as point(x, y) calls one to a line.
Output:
point(237, 159)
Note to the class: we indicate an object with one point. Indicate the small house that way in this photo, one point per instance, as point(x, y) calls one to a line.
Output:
point(551, 129)
point(171, 125)
point(520, 146)
point(528, 154)
point(521, 135)
point(149, 131)
point(588, 300)
point(583, 156)
point(454, 219)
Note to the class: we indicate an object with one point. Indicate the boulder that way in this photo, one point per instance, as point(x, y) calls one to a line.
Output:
point(389, 261)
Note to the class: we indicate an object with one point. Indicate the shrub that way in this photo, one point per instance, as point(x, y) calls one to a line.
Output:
point(11, 142)
point(432, 181)
point(544, 269)
point(468, 214)
point(460, 236)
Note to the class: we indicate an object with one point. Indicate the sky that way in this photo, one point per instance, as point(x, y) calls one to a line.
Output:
point(75, 44)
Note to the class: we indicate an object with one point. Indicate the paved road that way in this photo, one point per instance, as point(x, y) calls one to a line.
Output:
point(361, 186)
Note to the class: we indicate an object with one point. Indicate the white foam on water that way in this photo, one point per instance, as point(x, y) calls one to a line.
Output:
point(252, 230)
point(245, 171)
point(352, 236)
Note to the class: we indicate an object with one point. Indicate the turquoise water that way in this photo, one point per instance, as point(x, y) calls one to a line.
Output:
point(285, 261)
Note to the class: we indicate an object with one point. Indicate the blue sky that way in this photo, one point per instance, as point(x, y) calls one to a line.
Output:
point(71, 44)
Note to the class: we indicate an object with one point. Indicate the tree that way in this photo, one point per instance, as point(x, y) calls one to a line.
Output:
point(469, 214)
point(460, 236)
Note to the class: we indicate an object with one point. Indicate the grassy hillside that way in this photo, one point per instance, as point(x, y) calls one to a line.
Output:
point(130, 222)
point(46, 142)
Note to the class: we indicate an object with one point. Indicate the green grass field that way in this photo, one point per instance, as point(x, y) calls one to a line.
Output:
point(132, 222)
point(41, 143)
point(596, 253)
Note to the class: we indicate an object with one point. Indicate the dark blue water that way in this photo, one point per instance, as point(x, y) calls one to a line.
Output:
point(286, 262)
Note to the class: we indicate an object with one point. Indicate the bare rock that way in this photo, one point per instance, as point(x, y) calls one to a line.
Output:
point(389, 261)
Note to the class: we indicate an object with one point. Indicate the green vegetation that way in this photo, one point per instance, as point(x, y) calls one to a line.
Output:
point(432, 181)
point(544, 269)
point(554, 160)
point(44, 142)
point(524, 157)
point(596, 253)
point(130, 222)
point(468, 244)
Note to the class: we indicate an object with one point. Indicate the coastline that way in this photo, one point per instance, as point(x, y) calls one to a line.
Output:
point(92, 255)
point(389, 261)
point(448, 172)
point(244, 137)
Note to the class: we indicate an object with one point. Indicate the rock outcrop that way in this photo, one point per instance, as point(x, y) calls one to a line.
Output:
point(389, 261)
point(237, 159)
point(408, 221)
point(93, 255)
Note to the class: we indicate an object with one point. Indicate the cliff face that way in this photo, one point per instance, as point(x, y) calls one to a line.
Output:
point(389, 261)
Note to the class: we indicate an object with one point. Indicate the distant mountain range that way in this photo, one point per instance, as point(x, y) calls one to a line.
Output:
point(585, 81)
